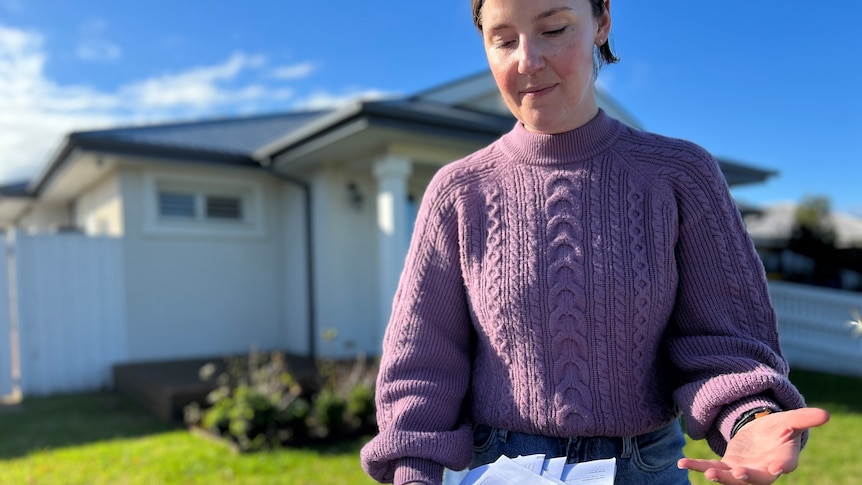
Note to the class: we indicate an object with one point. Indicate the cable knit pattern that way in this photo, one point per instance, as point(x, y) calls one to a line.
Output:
point(603, 378)
point(592, 283)
point(503, 334)
point(566, 300)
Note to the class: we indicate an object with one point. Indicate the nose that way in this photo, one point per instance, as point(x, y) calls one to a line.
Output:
point(531, 59)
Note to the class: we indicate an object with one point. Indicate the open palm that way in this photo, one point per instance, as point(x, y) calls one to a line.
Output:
point(761, 451)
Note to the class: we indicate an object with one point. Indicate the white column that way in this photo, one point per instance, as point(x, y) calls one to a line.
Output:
point(393, 232)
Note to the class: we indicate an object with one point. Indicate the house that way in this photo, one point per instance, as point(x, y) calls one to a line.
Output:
point(260, 231)
point(772, 230)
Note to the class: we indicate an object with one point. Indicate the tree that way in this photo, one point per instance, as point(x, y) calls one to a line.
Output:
point(814, 236)
point(814, 220)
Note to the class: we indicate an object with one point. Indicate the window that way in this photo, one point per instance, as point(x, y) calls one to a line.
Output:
point(221, 207)
point(172, 204)
point(191, 206)
point(203, 206)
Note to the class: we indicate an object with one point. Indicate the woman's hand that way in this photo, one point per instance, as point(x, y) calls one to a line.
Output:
point(762, 450)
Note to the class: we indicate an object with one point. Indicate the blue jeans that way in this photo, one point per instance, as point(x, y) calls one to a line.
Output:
point(649, 458)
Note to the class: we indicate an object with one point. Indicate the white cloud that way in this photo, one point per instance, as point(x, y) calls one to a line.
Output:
point(94, 45)
point(36, 111)
point(99, 50)
point(197, 87)
point(295, 71)
point(324, 99)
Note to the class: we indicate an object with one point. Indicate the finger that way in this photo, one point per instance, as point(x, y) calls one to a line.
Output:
point(753, 476)
point(701, 465)
point(804, 418)
point(725, 477)
point(740, 476)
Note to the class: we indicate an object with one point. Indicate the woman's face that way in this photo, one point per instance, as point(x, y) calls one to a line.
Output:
point(541, 55)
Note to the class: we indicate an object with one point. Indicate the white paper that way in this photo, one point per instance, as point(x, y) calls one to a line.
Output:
point(537, 470)
point(534, 463)
point(553, 467)
point(596, 472)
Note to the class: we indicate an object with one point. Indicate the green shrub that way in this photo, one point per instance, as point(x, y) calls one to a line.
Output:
point(292, 421)
point(260, 403)
point(329, 412)
point(361, 408)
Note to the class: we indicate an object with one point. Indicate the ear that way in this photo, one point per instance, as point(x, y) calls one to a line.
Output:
point(604, 24)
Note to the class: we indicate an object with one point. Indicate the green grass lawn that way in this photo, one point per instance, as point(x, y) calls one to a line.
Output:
point(104, 439)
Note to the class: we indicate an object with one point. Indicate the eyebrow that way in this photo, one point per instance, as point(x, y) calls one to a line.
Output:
point(551, 12)
point(541, 16)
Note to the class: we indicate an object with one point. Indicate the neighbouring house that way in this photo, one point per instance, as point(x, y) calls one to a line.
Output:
point(260, 231)
point(772, 228)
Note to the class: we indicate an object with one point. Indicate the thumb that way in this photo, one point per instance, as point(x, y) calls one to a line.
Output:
point(804, 418)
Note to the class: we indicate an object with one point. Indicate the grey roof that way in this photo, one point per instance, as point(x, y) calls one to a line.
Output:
point(774, 225)
point(15, 189)
point(223, 141)
point(238, 136)
point(405, 113)
point(737, 173)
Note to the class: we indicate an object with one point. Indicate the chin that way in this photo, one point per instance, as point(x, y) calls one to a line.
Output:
point(541, 121)
point(546, 127)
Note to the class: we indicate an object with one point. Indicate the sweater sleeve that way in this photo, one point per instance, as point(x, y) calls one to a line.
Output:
point(723, 337)
point(425, 369)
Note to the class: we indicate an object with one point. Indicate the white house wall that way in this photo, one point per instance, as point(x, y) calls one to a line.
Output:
point(346, 262)
point(294, 265)
point(205, 295)
point(100, 210)
point(46, 217)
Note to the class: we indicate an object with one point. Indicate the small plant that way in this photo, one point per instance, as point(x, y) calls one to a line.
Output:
point(259, 402)
point(255, 405)
point(329, 412)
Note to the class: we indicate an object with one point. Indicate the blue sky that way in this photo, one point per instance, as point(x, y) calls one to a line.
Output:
point(772, 83)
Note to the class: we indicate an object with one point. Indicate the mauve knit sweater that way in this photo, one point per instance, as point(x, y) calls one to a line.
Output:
point(592, 283)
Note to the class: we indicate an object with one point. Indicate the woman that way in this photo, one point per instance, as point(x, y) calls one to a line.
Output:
point(575, 286)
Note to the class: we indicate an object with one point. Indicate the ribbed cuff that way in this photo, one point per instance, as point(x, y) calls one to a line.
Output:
point(732, 412)
point(417, 470)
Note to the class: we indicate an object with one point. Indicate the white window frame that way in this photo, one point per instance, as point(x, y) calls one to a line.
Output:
point(249, 194)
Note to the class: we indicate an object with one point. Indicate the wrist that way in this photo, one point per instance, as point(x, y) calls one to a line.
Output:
point(749, 416)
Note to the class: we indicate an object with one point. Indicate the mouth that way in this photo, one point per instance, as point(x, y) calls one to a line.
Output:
point(538, 90)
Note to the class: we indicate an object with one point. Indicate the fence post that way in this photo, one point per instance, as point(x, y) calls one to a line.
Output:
point(10, 389)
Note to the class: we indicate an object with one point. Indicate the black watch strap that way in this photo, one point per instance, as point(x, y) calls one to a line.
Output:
point(748, 417)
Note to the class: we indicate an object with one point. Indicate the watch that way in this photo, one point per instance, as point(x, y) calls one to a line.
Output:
point(748, 417)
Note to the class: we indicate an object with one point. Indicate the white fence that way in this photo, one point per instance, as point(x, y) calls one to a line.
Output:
point(6, 357)
point(815, 329)
point(70, 311)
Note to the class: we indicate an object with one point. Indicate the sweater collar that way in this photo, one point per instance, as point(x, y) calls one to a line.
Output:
point(580, 144)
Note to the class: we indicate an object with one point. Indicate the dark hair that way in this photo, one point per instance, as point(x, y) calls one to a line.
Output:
point(605, 54)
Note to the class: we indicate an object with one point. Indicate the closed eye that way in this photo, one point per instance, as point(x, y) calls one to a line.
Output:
point(555, 33)
point(504, 44)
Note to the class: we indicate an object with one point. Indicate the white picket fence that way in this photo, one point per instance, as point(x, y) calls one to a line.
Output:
point(7, 386)
point(814, 327)
point(70, 313)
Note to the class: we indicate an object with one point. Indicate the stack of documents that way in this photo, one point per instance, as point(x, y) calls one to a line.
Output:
point(536, 470)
